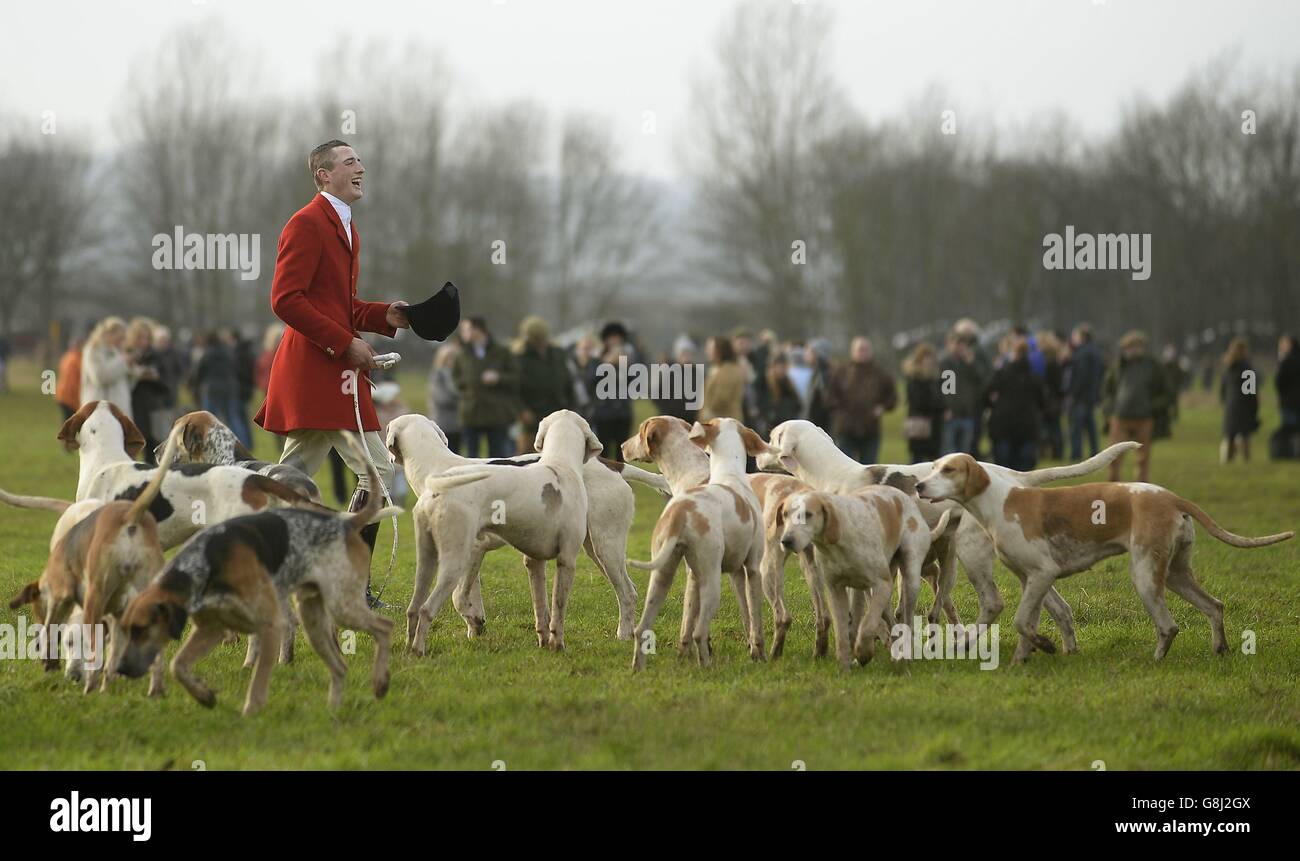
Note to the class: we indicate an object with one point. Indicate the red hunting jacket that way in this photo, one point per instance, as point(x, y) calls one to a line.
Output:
point(314, 292)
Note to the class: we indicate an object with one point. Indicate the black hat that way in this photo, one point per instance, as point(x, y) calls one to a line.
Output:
point(438, 316)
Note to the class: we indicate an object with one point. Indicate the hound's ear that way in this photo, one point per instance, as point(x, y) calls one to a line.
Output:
point(132, 439)
point(698, 434)
point(874, 474)
point(754, 445)
point(594, 445)
point(831, 529)
point(174, 615)
point(27, 595)
point(191, 438)
point(780, 515)
point(395, 449)
point(540, 438)
point(442, 435)
point(977, 480)
point(68, 433)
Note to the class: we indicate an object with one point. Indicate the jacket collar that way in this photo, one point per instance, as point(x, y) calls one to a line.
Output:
point(328, 208)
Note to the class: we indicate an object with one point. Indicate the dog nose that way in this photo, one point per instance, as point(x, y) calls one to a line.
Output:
point(920, 487)
point(787, 543)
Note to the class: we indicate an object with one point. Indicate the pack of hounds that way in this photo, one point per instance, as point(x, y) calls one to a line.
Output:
point(254, 542)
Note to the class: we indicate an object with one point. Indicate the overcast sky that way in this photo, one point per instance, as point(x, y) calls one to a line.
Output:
point(1010, 58)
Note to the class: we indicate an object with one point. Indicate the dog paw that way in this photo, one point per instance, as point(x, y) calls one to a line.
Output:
point(208, 699)
point(381, 687)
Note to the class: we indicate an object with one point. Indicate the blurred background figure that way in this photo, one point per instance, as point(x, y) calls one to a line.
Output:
point(816, 399)
point(858, 394)
point(778, 400)
point(1239, 394)
point(1171, 365)
point(443, 399)
point(1053, 443)
point(387, 397)
point(672, 400)
point(4, 364)
point(487, 380)
point(923, 427)
point(1134, 392)
point(586, 355)
point(149, 394)
point(1285, 442)
point(105, 368)
point(215, 381)
point(1015, 398)
point(754, 364)
point(67, 390)
point(545, 381)
point(262, 367)
point(725, 383)
point(964, 399)
point(611, 412)
point(1083, 390)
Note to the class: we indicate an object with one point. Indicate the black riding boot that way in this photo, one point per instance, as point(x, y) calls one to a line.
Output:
point(368, 534)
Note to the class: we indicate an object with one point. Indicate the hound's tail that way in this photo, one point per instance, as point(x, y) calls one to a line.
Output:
point(444, 483)
point(942, 525)
point(632, 473)
point(150, 492)
point(42, 502)
point(1224, 535)
point(1105, 457)
point(668, 554)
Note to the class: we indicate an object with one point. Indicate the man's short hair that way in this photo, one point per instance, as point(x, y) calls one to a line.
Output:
point(322, 157)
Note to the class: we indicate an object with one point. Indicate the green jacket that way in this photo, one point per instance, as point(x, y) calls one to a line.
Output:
point(545, 384)
point(481, 405)
point(1136, 389)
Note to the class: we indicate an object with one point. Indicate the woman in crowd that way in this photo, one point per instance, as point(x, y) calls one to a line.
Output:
point(105, 368)
point(1015, 397)
point(1054, 357)
point(67, 391)
point(724, 385)
point(1238, 391)
point(923, 426)
point(778, 399)
point(545, 382)
point(149, 395)
point(444, 400)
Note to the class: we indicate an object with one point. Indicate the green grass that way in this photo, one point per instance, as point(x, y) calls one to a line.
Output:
point(501, 698)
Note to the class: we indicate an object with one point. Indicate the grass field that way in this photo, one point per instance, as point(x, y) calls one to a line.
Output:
point(471, 703)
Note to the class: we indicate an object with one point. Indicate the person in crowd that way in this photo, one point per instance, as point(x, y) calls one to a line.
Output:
point(817, 407)
point(969, 330)
point(963, 399)
point(675, 377)
point(923, 427)
point(216, 381)
point(754, 365)
point(4, 364)
point(778, 400)
point(271, 338)
point(443, 399)
point(105, 368)
point(1239, 394)
point(149, 394)
point(388, 402)
point(586, 356)
point(171, 366)
point(1171, 367)
point(1134, 392)
point(545, 381)
point(858, 393)
point(246, 372)
point(1083, 390)
point(1016, 397)
point(725, 383)
point(611, 414)
point(1054, 356)
point(1288, 381)
point(487, 380)
point(67, 389)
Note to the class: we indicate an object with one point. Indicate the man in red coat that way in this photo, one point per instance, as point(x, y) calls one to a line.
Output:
point(321, 360)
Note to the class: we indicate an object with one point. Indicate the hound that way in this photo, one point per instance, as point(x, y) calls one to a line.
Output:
point(419, 447)
point(858, 541)
point(1042, 534)
point(236, 575)
point(665, 440)
point(539, 509)
point(193, 495)
point(715, 527)
point(99, 563)
point(808, 451)
point(206, 439)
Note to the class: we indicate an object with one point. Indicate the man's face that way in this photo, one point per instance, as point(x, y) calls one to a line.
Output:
point(861, 350)
point(344, 181)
